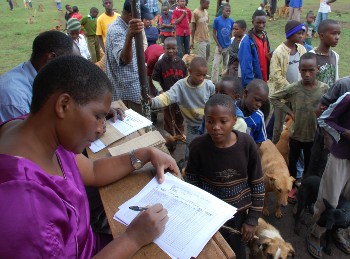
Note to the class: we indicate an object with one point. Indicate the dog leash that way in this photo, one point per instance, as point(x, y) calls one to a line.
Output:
point(235, 231)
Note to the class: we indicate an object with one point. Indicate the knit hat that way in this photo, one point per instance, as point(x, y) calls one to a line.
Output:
point(73, 24)
point(293, 27)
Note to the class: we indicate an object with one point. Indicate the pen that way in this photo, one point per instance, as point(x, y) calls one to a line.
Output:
point(137, 208)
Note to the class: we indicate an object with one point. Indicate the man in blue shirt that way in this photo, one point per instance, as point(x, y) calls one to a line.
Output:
point(295, 9)
point(16, 84)
point(222, 34)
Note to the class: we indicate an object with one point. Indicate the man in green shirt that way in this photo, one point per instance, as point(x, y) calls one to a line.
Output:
point(89, 26)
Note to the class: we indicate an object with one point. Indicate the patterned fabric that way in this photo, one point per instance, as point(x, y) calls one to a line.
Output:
point(238, 181)
point(124, 77)
point(303, 102)
point(328, 66)
point(152, 5)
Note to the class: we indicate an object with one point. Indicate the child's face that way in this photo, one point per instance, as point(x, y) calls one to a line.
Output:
point(69, 8)
point(146, 23)
point(170, 50)
point(108, 5)
point(198, 75)
point(331, 36)
point(238, 31)
point(255, 98)
point(297, 37)
point(308, 70)
point(226, 11)
point(259, 23)
point(205, 5)
point(219, 121)
point(74, 34)
point(165, 10)
point(94, 13)
point(310, 18)
point(181, 3)
point(225, 87)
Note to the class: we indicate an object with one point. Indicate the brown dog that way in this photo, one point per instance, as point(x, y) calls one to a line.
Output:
point(283, 143)
point(270, 243)
point(283, 11)
point(187, 58)
point(276, 176)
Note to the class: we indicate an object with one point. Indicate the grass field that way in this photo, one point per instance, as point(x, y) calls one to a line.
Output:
point(18, 35)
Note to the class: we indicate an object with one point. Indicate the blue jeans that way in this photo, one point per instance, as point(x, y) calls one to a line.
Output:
point(191, 133)
point(58, 6)
point(320, 17)
point(183, 45)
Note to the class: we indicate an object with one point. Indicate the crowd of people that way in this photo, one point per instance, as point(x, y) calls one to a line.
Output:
point(55, 104)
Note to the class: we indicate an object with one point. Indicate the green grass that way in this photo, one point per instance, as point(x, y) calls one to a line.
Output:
point(17, 35)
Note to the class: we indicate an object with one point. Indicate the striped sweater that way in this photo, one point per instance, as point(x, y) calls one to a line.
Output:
point(191, 99)
point(232, 174)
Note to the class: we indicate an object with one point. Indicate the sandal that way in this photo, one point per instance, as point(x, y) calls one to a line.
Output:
point(314, 250)
point(341, 243)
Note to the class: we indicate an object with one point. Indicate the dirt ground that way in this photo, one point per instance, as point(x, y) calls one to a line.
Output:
point(285, 225)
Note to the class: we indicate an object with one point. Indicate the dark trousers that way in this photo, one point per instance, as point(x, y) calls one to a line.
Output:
point(183, 45)
point(234, 240)
point(318, 158)
point(295, 148)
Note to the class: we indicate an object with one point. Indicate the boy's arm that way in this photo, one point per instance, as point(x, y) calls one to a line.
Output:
point(245, 61)
point(257, 189)
point(329, 119)
point(167, 98)
point(156, 76)
point(193, 30)
point(277, 97)
point(260, 131)
point(177, 18)
point(276, 72)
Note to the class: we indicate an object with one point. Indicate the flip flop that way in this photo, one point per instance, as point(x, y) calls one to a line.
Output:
point(343, 245)
point(313, 250)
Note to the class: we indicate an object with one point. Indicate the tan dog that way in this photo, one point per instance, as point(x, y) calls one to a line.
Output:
point(270, 243)
point(283, 11)
point(276, 176)
point(283, 143)
point(187, 58)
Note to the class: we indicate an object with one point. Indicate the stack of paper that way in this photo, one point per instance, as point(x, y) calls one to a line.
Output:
point(149, 139)
point(119, 129)
point(194, 215)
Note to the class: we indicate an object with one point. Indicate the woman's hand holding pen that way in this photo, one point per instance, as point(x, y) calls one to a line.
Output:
point(148, 225)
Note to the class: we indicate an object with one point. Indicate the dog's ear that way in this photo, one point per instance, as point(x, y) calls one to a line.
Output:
point(291, 251)
point(272, 179)
point(292, 179)
point(264, 243)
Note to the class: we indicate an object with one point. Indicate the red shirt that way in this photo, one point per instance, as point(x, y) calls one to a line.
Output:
point(183, 27)
point(261, 44)
point(152, 55)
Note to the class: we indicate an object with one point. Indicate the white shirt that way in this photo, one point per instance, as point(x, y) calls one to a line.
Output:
point(324, 7)
point(83, 47)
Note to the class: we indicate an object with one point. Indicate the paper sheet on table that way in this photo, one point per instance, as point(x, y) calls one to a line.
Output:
point(132, 122)
point(152, 138)
point(194, 215)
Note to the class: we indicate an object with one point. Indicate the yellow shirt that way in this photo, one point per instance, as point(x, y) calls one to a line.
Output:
point(103, 21)
point(201, 19)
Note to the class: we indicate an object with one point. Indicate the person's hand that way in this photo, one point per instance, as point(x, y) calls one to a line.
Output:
point(148, 225)
point(346, 134)
point(116, 113)
point(320, 109)
point(219, 49)
point(247, 232)
point(135, 26)
point(162, 161)
point(149, 99)
point(184, 12)
point(191, 44)
point(269, 56)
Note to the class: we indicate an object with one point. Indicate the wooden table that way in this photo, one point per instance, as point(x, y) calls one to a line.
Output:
point(115, 194)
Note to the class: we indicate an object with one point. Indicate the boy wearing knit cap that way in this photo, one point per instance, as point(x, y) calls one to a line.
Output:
point(73, 31)
point(284, 68)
